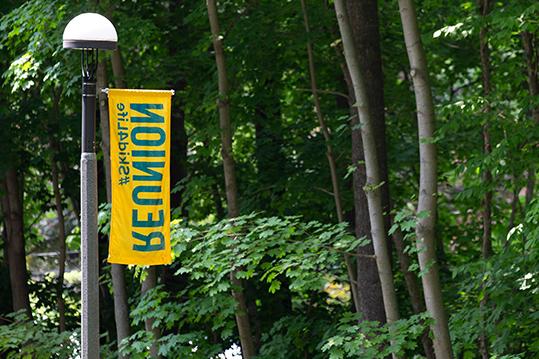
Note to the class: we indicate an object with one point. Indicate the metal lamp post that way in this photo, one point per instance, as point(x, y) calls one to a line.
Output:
point(89, 32)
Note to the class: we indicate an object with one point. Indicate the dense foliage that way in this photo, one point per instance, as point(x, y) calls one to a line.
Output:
point(287, 246)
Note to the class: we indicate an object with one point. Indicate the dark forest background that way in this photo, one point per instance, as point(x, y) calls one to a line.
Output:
point(311, 116)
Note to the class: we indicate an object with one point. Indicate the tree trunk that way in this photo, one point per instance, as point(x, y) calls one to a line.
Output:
point(529, 43)
point(329, 153)
point(61, 249)
point(12, 210)
point(55, 176)
point(373, 182)
point(363, 18)
point(484, 8)
point(121, 308)
point(486, 248)
point(118, 69)
point(6, 304)
point(425, 231)
point(242, 319)
point(321, 121)
point(219, 210)
point(61, 239)
point(414, 290)
point(149, 283)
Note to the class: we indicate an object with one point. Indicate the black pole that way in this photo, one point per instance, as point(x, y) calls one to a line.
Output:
point(88, 116)
point(89, 68)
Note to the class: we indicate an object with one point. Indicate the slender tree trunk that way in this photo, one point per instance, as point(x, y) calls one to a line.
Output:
point(372, 187)
point(425, 231)
point(12, 210)
point(54, 148)
point(62, 248)
point(61, 240)
point(352, 277)
point(484, 8)
point(224, 114)
point(6, 305)
point(486, 248)
point(118, 69)
point(149, 283)
point(529, 43)
point(321, 121)
point(219, 210)
point(242, 319)
point(121, 308)
point(414, 290)
point(329, 153)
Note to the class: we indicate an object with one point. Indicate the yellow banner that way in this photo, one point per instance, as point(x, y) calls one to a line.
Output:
point(140, 176)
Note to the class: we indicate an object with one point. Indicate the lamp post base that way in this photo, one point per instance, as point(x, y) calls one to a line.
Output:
point(89, 257)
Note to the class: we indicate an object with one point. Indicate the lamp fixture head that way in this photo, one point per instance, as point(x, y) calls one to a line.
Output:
point(90, 31)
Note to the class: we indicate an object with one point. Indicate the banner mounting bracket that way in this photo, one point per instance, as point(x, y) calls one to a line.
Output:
point(106, 91)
